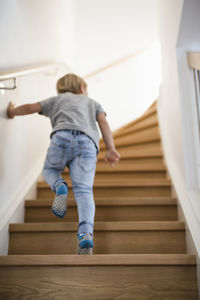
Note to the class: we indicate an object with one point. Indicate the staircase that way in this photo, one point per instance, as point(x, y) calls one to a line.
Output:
point(139, 245)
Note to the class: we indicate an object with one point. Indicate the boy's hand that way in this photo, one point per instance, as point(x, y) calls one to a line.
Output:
point(10, 110)
point(112, 156)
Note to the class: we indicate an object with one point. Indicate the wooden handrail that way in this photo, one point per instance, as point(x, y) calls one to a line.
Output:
point(116, 62)
point(44, 67)
point(194, 60)
point(31, 70)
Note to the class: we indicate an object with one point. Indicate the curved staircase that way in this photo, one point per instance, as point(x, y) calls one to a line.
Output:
point(139, 244)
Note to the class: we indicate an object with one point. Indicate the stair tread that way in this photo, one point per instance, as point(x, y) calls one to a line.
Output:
point(148, 113)
point(150, 134)
point(122, 182)
point(98, 259)
point(110, 202)
point(99, 226)
point(135, 154)
point(152, 120)
point(130, 168)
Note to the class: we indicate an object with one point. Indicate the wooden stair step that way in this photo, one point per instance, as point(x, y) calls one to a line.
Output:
point(133, 164)
point(133, 123)
point(98, 259)
point(138, 150)
point(115, 191)
point(109, 238)
point(122, 183)
point(119, 201)
point(157, 187)
point(107, 210)
point(126, 175)
point(146, 135)
point(151, 121)
point(142, 164)
point(99, 277)
point(99, 226)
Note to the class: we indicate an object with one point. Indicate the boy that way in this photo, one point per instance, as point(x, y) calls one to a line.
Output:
point(75, 144)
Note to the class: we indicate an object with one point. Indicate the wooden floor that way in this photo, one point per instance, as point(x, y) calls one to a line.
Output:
point(139, 243)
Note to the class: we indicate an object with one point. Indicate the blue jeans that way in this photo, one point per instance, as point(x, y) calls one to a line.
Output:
point(78, 152)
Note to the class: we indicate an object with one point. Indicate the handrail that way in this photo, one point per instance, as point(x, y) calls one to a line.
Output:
point(30, 70)
point(116, 62)
point(44, 67)
point(194, 60)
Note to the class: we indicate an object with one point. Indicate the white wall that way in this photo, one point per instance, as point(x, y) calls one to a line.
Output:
point(31, 32)
point(24, 141)
point(179, 24)
point(35, 31)
point(128, 89)
point(109, 30)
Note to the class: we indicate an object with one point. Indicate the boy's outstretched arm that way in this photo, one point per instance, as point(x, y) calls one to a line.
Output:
point(22, 110)
point(112, 156)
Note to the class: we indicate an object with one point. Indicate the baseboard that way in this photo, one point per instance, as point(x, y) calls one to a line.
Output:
point(189, 212)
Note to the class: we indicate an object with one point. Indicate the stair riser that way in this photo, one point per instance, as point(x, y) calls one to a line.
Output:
point(146, 135)
point(133, 164)
point(105, 242)
point(138, 150)
point(125, 175)
point(150, 121)
point(96, 282)
point(107, 213)
point(151, 111)
point(143, 191)
point(145, 161)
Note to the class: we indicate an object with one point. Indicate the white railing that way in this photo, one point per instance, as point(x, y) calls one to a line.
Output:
point(194, 63)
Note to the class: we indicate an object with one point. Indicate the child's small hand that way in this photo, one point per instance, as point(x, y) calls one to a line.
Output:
point(112, 156)
point(10, 110)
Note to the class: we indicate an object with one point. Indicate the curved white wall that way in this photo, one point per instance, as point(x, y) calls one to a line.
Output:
point(107, 31)
point(179, 33)
point(128, 89)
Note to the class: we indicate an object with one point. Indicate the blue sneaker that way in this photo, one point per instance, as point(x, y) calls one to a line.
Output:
point(85, 244)
point(59, 206)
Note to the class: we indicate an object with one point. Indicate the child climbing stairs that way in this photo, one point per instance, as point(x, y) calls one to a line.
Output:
point(139, 243)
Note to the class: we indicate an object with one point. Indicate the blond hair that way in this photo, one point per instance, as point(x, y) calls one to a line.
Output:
point(70, 83)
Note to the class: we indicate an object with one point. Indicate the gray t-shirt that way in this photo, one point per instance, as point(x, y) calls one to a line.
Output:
point(73, 111)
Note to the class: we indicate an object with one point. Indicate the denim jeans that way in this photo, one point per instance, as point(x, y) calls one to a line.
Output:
point(78, 152)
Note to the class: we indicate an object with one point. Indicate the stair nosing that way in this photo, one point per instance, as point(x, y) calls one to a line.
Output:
point(135, 156)
point(108, 202)
point(98, 259)
point(122, 183)
point(133, 130)
point(99, 226)
point(117, 144)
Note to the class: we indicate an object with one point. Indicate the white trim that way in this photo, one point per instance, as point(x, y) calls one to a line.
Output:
point(21, 192)
point(190, 204)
